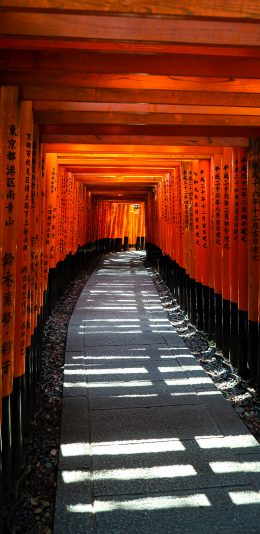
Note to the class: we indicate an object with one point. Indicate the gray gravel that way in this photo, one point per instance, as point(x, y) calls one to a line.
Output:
point(239, 393)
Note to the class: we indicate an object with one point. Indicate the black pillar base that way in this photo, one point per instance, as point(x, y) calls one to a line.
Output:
point(218, 320)
point(199, 306)
point(29, 381)
point(193, 309)
point(184, 291)
point(1, 482)
point(17, 427)
point(258, 366)
point(206, 307)
point(52, 289)
point(226, 328)
point(234, 333)
point(7, 447)
point(252, 348)
point(188, 293)
point(242, 359)
point(212, 324)
point(172, 278)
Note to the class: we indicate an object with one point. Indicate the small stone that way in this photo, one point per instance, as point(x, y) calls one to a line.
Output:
point(239, 409)
point(48, 465)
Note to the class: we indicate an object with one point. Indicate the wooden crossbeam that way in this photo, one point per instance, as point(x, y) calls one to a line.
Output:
point(117, 172)
point(179, 8)
point(192, 138)
point(121, 29)
point(158, 64)
point(145, 108)
point(74, 117)
point(176, 148)
point(131, 81)
point(164, 97)
point(153, 163)
point(103, 179)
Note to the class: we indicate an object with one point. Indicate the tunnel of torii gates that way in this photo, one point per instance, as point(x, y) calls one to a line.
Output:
point(127, 124)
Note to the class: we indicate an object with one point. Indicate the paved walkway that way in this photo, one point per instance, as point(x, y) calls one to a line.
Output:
point(148, 444)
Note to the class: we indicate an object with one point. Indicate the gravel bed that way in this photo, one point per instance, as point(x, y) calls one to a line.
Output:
point(240, 393)
point(33, 498)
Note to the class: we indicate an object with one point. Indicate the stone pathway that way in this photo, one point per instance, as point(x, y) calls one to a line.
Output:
point(148, 443)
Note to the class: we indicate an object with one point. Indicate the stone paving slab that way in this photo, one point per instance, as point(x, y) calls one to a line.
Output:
point(90, 355)
point(121, 384)
point(103, 313)
point(144, 423)
point(198, 512)
point(223, 414)
point(91, 325)
point(124, 338)
point(148, 443)
point(156, 371)
point(248, 463)
point(75, 434)
point(74, 490)
point(130, 397)
point(75, 338)
point(189, 468)
point(242, 444)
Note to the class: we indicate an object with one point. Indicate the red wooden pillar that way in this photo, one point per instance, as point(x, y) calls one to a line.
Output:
point(212, 324)
point(185, 168)
point(173, 232)
point(43, 266)
point(33, 307)
point(190, 245)
point(179, 236)
point(253, 252)
point(9, 125)
point(226, 249)
point(217, 180)
point(204, 186)
point(242, 156)
point(59, 220)
point(20, 393)
point(63, 214)
point(197, 242)
point(51, 228)
point(234, 223)
point(69, 212)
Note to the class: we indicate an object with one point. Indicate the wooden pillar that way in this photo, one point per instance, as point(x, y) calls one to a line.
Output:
point(253, 252)
point(22, 280)
point(243, 262)
point(9, 124)
point(217, 179)
point(234, 223)
point(226, 254)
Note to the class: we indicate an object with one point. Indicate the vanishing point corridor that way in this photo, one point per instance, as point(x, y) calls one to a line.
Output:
point(130, 142)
